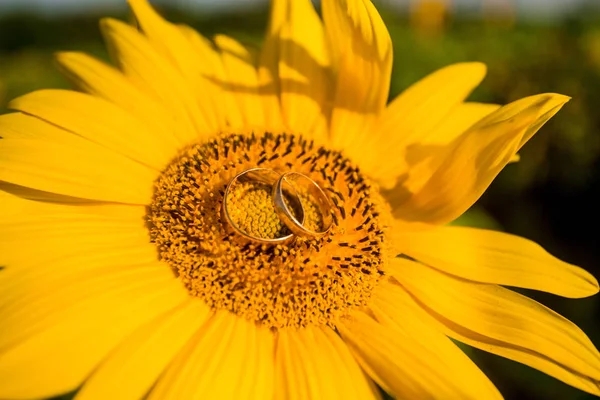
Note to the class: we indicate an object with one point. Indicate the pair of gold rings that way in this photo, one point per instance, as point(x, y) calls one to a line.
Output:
point(286, 201)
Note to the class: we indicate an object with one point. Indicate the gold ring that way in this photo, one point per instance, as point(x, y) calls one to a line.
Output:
point(285, 214)
point(262, 175)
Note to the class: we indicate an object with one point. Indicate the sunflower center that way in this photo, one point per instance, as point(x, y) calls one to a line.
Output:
point(298, 283)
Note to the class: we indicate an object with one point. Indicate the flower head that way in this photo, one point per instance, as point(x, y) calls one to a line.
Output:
point(127, 276)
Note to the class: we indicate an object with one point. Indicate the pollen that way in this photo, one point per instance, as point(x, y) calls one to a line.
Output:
point(306, 281)
point(252, 210)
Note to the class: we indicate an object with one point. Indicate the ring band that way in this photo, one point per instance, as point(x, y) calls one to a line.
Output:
point(262, 175)
point(284, 213)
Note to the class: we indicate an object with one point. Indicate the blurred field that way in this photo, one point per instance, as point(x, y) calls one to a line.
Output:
point(552, 195)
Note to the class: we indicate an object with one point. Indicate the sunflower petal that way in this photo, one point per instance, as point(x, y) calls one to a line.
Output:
point(130, 371)
point(356, 26)
point(87, 171)
point(411, 116)
point(457, 121)
point(315, 363)
point(99, 79)
point(22, 126)
point(101, 249)
point(211, 69)
point(144, 65)
point(269, 87)
point(173, 43)
point(413, 161)
point(225, 343)
point(70, 265)
point(52, 344)
point(15, 207)
point(500, 319)
point(89, 228)
point(493, 257)
point(163, 34)
point(242, 81)
point(302, 65)
point(362, 60)
point(412, 360)
point(392, 305)
point(30, 304)
point(471, 163)
point(98, 121)
point(97, 239)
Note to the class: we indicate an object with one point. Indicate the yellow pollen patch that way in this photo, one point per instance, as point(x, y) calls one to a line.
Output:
point(299, 283)
point(251, 209)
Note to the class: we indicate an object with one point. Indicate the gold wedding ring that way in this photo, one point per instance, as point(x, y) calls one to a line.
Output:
point(287, 191)
point(260, 175)
point(289, 182)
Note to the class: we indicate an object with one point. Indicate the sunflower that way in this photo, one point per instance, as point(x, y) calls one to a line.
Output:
point(122, 280)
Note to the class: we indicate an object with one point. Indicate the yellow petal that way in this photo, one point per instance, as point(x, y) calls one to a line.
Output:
point(546, 105)
point(315, 363)
point(355, 145)
point(355, 25)
point(98, 121)
point(471, 163)
point(229, 358)
point(172, 42)
point(493, 257)
point(241, 81)
point(32, 302)
point(99, 79)
point(21, 126)
point(39, 195)
point(25, 277)
point(456, 122)
point(153, 73)
point(392, 305)
point(86, 171)
point(211, 70)
point(411, 360)
point(412, 161)
point(51, 344)
point(427, 154)
point(522, 355)
point(269, 89)
point(414, 113)
point(89, 229)
point(361, 51)
point(130, 371)
point(87, 241)
point(501, 319)
point(268, 68)
point(450, 128)
point(16, 207)
point(303, 65)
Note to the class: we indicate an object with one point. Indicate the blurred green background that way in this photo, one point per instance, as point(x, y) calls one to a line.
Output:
point(551, 196)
